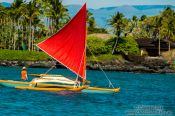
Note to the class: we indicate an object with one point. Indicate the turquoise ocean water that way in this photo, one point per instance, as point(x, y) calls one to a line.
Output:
point(141, 94)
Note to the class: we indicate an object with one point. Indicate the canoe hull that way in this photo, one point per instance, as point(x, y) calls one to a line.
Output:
point(49, 89)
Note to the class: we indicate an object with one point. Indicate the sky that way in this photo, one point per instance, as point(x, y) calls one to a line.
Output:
point(95, 4)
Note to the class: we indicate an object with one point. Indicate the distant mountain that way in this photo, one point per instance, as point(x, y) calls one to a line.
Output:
point(145, 7)
point(103, 14)
point(5, 4)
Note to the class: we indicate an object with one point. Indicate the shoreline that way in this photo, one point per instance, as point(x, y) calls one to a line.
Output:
point(113, 65)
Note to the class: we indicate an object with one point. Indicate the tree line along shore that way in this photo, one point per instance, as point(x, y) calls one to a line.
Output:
point(106, 62)
point(26, 23)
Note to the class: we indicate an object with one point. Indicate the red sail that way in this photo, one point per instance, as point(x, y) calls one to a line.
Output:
point(68, 46)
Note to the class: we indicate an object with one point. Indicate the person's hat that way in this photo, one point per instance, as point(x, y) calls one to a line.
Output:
point(24, 68)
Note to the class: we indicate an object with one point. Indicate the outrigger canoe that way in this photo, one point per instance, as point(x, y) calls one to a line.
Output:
point(54, 87)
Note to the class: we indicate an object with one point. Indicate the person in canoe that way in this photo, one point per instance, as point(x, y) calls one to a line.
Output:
point(24, 74)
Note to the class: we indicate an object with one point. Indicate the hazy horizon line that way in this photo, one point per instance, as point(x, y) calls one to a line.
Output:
point(114, 6)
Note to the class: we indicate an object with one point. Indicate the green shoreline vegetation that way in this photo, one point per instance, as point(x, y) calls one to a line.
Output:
point(24, 24)
point(19, 55)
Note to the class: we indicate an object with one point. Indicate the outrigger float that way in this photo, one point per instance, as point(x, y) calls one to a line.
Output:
point(68, 47)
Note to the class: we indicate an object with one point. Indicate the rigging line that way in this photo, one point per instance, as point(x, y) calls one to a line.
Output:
point(80, 65)
point(110, 83)
point(50, 68)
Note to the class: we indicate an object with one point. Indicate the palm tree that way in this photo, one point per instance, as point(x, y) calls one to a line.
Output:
point(168, 18)
point(156, 26)
point(46, 14)
point(91, 22)
point(32, 16)
point(56, 14)
point(143, 17)
point(3, 14)
point(16, 13)
point(59, 14)
point(118, 23)
point(133, 24)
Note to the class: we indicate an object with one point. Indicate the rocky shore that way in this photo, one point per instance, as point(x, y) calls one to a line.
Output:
point(146, 65)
